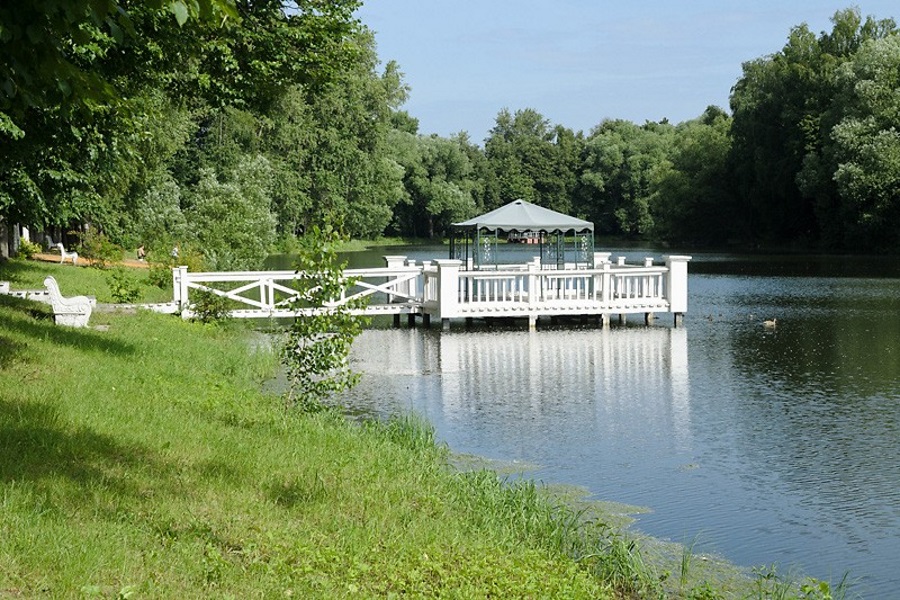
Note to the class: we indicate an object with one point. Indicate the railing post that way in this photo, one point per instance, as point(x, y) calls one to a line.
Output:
point(534, 291)
point(677, 285)
point(420, 280)
point(269, 284)
point(607, 283)
point(448, 289)
point(411, 284)
point(391, 262)
point(180, 287)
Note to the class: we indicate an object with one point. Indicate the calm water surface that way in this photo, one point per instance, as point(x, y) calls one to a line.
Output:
point(766, 446)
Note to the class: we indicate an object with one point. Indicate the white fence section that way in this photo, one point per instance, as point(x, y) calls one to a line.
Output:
point(443, 290)
point(262, 294)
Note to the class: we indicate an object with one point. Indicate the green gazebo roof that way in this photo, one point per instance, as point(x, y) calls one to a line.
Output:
point(523, 216)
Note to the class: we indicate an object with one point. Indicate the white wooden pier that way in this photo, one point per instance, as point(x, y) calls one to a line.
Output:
point(443, 290)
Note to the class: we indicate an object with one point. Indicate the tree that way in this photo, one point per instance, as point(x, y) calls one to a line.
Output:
point(49, 49)
point(232, 222)
point(80, 106)
point(622, 161)
point(318, 344)
point(530, 160)
point(784, 111)
point(437, 179)
point(866, 146)
point(691, 201)
point(349, 177)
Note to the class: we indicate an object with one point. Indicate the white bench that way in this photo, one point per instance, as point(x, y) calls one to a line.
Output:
point(63, 255)
point(74, 311)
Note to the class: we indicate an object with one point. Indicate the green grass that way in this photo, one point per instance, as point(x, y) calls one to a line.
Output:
point(139, 458)
point(360, 245)
point(75, 281)
point(142, 460)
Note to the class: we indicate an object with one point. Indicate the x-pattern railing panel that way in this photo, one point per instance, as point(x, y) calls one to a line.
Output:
point(389, 285)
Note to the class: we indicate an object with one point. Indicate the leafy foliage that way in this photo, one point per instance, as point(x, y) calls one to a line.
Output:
point(209, 307)
point(234, 226)
point(123, 287)
point(318, 343)
point(97, 247)
point(787, 144)
point(27, 249)
point(438, 183)
point(228, 124)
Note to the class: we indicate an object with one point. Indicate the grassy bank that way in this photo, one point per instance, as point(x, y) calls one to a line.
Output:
point(81, 280)
point(139, 458)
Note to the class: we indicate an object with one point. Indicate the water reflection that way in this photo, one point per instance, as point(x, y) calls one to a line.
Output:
point(519, 379)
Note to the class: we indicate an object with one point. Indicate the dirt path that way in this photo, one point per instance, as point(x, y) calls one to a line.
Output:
point(86, 262)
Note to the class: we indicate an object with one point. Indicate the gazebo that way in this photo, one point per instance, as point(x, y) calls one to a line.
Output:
point(563, 240)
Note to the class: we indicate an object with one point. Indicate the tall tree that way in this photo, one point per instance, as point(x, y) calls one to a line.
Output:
point(532, 160)
point(692, 201)
point(781, 108)
point(621, 163)
point(438, 181)
point(866, 146)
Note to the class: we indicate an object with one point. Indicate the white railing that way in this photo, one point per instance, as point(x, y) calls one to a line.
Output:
point(271, 294)
point(613, 286)
point(445, 291)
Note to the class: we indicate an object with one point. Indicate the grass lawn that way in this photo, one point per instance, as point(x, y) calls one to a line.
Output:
point(139, 458)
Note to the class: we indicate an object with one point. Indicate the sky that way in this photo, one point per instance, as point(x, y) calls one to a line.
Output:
point(578, 62)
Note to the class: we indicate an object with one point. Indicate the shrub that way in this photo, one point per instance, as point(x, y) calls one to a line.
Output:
point(123, 287)
point(318, 344)
point(209, 307)
point(97, 247)
point(28, 249)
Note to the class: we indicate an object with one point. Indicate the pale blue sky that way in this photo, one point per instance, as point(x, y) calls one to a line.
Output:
point(578, 62)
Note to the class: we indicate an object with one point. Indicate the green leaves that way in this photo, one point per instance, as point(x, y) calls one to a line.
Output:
point(179, 9)
point(318, 343)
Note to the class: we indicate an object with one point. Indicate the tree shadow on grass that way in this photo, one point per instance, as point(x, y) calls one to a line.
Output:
point(10, 350)
point(32, 320)
point(36, 444)
point(40, 448)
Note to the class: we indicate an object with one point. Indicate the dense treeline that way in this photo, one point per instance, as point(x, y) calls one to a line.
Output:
point(233, 127)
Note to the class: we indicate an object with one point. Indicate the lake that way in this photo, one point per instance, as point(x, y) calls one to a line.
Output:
point(762, 445)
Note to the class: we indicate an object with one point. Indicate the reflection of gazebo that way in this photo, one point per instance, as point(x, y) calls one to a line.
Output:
point(563, 239)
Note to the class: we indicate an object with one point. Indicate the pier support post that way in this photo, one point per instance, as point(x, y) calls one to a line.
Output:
point(623, 318)
point(649, 318)
point(397, 320)
point(426, 320)
point(411, 320)
point(604, 320)
point(532, 322)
